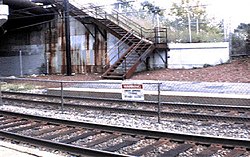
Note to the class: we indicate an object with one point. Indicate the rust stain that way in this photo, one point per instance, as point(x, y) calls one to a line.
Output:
point(87, 40)
point(100, 47)
point(52, 39)
point(87, 62)
point(96, 47)
point(63, 48)
point(78, 68)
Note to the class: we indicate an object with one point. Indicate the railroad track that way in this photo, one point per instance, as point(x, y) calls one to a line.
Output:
point(194, 111)
point(101, 140)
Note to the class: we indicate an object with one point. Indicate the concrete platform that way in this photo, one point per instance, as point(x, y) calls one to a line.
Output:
point(11, 150)
point(166, 96)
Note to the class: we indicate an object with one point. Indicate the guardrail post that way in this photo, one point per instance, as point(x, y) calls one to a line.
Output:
point(117, 18)
point(21, 63)
point(159, 102)
point(141, 32)
point(125, 65)
point(166, 37)
point(1, 99)
point(62, 100)
point(96, 13)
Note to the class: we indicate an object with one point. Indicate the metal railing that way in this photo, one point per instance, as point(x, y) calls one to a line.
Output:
point(155, 35)
point(155, 92)
point(141, 58)
point(63, 89)
point(112, 53)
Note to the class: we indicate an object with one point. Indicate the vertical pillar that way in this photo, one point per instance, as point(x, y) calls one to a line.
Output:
point(21, 63)
point(67, 38)
point(189, 27)
point(1, 99)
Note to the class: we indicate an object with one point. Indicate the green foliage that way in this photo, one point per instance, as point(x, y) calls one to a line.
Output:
point(240, 39)
point(193, 13)
point(203, 29)
point(151, 8)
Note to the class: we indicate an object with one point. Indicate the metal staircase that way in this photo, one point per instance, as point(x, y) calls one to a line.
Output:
point(141, 42)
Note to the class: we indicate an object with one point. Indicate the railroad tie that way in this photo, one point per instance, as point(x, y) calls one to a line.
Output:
point(9, 121)
point(33, 125)
point(75, 138)
point(14, 124)
point(118, 146)
point(208, 152)
point(44, 131)
point(177, 150)
point(235, 153)
point(61, 133)
point(148, 148)
point(101, 140)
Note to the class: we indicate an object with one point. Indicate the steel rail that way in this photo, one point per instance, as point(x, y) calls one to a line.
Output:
point(169, 104)
point(60, 146)
point(141, 112)
point(231, 142)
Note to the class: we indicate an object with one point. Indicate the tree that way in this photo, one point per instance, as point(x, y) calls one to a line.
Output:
point(192, 24)
point(151, 8)
point(241, 39)
point(123, 5)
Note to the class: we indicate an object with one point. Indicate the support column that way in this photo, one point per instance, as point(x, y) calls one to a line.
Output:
point(67, 38)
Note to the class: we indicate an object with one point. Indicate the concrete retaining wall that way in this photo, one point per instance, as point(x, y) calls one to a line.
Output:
point(197, 54)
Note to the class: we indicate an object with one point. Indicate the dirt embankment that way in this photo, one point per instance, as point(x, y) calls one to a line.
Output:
point(237, 70)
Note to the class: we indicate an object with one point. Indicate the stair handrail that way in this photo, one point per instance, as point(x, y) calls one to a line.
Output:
point(141, 58)
point(121, 41)
point(121, 20)
point(140, 55)
point(141, 32)
point(134, 48)
point(98, 12)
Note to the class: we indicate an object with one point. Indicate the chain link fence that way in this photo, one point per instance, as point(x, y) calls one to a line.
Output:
point(138, 96)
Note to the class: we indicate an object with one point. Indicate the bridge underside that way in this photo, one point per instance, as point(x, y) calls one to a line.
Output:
point(24, 13)
point(37, 28)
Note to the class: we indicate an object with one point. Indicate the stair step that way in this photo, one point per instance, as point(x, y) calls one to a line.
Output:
point(114, 74)
point(113, 77)
point(120, 30)
point(102, 19)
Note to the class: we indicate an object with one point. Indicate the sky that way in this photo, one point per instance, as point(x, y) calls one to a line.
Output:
point(232, 11)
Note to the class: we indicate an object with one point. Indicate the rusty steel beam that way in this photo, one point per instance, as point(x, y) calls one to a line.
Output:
point(26, 4)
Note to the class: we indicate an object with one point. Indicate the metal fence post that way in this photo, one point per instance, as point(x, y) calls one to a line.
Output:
point(159, 102)
point(21, 63)
point(1, 99)
point(62, 101)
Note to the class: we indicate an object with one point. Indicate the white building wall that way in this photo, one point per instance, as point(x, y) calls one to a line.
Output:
point(192, 55)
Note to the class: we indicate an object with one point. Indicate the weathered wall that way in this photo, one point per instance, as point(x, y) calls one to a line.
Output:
point(86, 50)
point(43, 49)
point(30, 43)
point(194, 55)
point(115, 49)
point(197, 54)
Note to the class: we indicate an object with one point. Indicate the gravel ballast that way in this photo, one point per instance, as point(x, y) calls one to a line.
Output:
point(186, 126)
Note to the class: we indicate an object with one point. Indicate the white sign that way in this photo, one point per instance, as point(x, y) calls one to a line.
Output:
point(132, 91)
